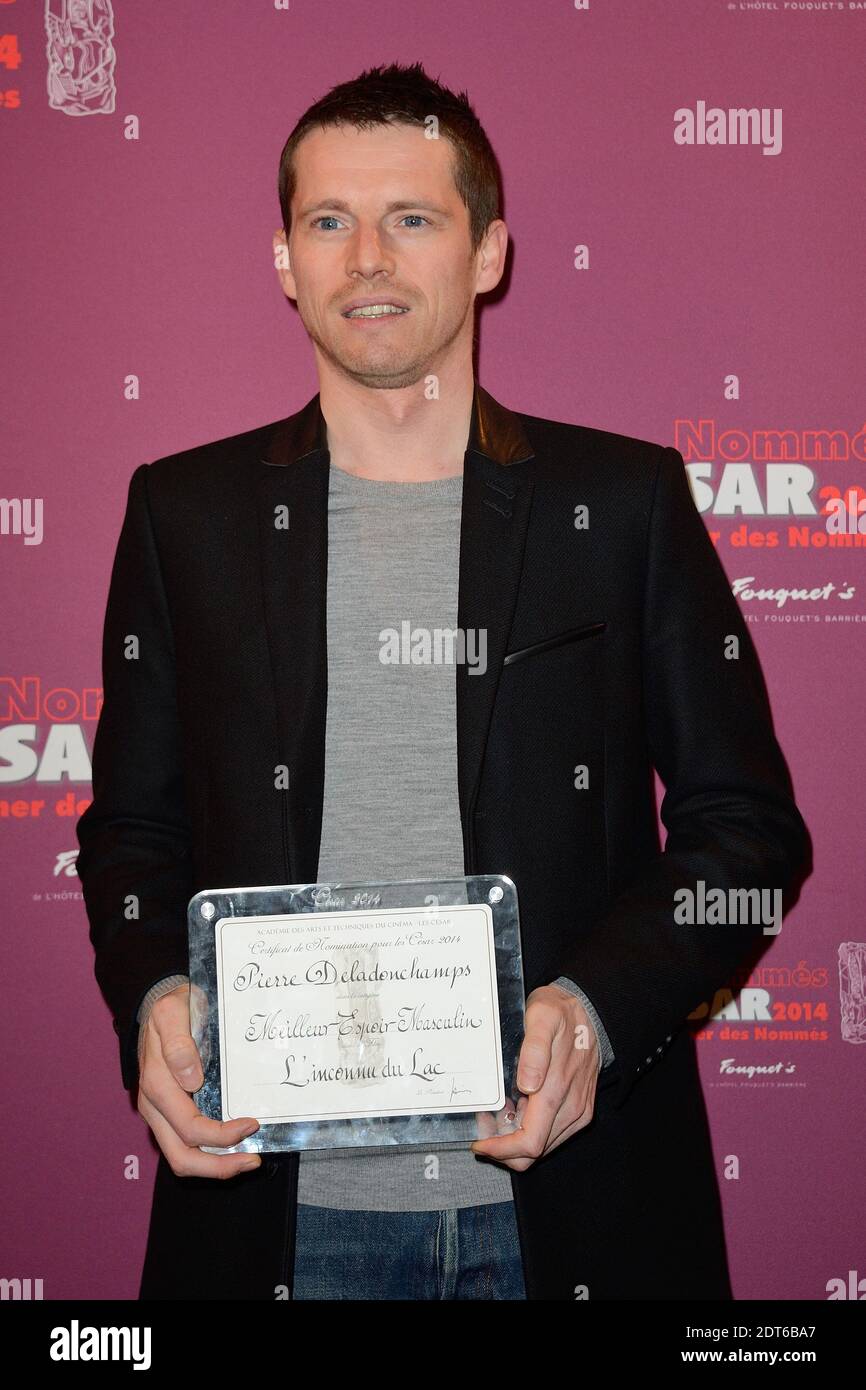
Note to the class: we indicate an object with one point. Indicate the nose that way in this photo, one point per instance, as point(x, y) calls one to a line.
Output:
point(368, 253)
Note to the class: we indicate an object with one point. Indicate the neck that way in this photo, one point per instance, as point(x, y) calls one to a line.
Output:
point(399, 435)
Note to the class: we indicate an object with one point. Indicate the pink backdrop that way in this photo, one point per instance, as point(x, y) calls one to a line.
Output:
point(151, 257)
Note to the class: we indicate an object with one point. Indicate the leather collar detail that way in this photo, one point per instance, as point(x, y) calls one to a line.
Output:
point(495, 432)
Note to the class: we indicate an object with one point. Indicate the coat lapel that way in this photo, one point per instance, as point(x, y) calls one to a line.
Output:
point(293, 485)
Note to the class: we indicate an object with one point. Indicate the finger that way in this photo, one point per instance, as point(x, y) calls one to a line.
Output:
point(179, 1051)
point(563, 1101)
point(485, 1123)
point(188, 1162)
point(179, 1110)
point(542, 1021)
point(491, 1122)
point(529, 1142)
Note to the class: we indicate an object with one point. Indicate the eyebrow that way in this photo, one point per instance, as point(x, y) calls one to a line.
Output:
point(338, 205)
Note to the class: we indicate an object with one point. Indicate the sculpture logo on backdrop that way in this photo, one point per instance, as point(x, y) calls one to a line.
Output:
point(852, 990)
point(80, 56)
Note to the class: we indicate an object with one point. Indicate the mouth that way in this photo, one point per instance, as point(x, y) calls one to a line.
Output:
point(375, 309)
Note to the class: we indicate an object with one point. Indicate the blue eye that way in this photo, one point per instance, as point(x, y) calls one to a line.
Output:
point(328, 217)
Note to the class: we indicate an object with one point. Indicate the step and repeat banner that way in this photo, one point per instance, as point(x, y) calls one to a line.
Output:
point(682, 183)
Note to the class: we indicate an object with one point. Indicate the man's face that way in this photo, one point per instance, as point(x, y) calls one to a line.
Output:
point(376, 216)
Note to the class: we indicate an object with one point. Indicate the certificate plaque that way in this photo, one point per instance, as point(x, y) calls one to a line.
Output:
point(358, 1014)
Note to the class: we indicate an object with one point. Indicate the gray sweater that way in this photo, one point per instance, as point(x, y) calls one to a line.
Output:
point(390, 806)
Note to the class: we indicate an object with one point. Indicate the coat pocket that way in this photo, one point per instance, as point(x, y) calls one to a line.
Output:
point(573, 634)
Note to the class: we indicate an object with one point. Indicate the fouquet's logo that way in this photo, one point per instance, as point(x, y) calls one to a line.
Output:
point(737, 126)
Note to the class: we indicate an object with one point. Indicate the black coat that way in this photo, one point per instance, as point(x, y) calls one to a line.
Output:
point(606, 648)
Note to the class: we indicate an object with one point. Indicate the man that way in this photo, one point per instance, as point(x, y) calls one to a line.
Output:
point(612, 645)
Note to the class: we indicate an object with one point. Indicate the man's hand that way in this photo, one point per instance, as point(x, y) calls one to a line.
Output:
point(557, 1073)
point(170, 1067)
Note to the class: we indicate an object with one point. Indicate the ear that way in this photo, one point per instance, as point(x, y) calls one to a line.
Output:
point(282, 264)
point(490, 257)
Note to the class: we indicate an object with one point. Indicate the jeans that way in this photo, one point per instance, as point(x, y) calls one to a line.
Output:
point(468, 1253)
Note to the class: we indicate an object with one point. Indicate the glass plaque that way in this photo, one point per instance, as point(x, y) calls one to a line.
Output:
point(358, 1014)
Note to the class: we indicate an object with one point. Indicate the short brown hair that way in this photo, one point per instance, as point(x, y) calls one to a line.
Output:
point(406, 95)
